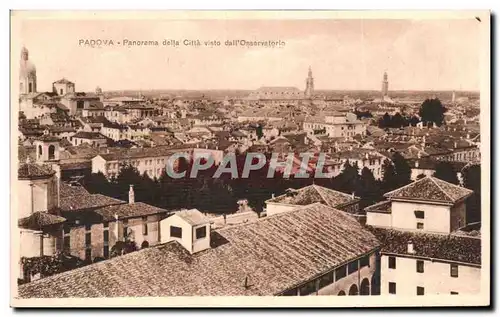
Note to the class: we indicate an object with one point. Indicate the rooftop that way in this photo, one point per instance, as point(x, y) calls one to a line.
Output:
point(126, 210)
point(430, 189)
point(38, 220)
point(314, 194)
point(193, 217)
point(34, 170)
point(436, 246)
point(274, 254)
point(89, 135)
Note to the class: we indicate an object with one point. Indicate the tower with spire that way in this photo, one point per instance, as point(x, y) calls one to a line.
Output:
point(385, 86)
point(309, 84)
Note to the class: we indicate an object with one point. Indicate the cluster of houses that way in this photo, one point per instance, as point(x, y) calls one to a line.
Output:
point(310, 241)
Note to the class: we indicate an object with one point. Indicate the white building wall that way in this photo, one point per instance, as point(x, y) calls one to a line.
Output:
point(437, 217)
point(273, 208)
point(378, 219)
point(436, 278)
point(187, 233)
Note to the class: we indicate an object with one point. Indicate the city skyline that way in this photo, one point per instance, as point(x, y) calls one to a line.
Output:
point(418, 55)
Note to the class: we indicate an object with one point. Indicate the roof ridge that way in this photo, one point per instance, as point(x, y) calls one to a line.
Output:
point(407, 185)
point(434, 181)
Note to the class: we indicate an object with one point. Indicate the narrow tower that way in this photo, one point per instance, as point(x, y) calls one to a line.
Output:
point(385, 86)
point(27, 74)
point(309, 84)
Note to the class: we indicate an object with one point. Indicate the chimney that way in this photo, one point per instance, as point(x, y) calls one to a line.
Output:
point(353, 196)
point(131, 195)
point(116, 226)
point(419, 155)
point(272, 195)
point(416, 164)
point(411, 250)
point(367, 156)
point(455, 144)
point(468, 136)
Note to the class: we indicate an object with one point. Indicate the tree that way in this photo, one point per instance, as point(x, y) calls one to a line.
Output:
point(397, 121)
point(445, 171)
point(125, 246)
point(472, 180)
point(385, 121)
point(432, 111)
point(402, 169)
point(368, 188)
point(389, 178)
point(413, 121)
point(97, 183)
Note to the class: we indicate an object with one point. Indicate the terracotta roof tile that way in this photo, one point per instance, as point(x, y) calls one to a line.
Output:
point(275, 253)
point(430, 189)
point(34, 170)
point(314, 194)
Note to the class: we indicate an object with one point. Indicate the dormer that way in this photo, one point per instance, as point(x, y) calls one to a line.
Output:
point(188, 227)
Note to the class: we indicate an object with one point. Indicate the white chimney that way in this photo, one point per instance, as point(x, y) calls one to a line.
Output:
point(411, 250)
point(416, 163)
point(367, 156)
point(272, 195)
point(353, 196)
point(455, 144)
point(116, 226)
point(131, 195)
point(419, 154)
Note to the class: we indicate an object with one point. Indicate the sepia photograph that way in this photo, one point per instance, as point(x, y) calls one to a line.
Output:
point(250, 158)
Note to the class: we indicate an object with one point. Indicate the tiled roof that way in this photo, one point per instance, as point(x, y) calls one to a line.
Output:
point(144, 152)
point(274, 254)
point(193, 217)
point(48, 138)
point(430, 189)
point(62, 81)
point(33, 170)
point(435, 246)
point(314, 194)
point(126, 210)
point(90, 201)
point(380, 207)
point(38, 220)
point(67, 190)
point(89, 135)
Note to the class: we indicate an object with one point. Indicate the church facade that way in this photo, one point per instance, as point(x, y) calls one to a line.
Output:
point(284, 95)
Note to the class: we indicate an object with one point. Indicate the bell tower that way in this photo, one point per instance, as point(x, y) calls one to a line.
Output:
point(309, 84)
point(27, 74)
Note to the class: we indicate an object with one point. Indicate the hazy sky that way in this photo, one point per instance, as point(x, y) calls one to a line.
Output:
point(343, 54)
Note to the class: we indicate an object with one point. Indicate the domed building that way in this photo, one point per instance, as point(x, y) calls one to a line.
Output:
point(27, 74)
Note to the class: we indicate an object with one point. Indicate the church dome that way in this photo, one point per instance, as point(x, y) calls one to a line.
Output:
point(27, 68)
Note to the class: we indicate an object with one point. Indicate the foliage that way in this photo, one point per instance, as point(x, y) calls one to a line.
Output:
point(432, 111)
point(368, 188)
point(259, 132)
point(445, 171)
point(49, 265)
point(472, 180)
point(396, 121)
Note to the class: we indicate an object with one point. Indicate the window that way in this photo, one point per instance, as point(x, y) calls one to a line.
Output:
point(292, 292)
point(392, 262)
point(52, 150)
point(175, 232)
point(106, 224)
point(201, 232)
point(453, 293)
point(352, 267)
point(364, 261)
point(308, 288)
point(88, 240)
point(420, 225)
point(80, 104)
point(340, 273)
point(66, 230)
point(145, 226)
point(88, 227)
point(66, 243)
point(419, 214)
point(88, 254)
point(420, 266)
point(392, 288)
point(420, 290)
point(453, 270)
point(326, 279)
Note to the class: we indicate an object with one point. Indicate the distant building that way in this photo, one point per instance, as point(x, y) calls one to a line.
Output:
point(335, 124)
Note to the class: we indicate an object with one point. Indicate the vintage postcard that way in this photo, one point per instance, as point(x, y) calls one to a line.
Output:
point(250, 159)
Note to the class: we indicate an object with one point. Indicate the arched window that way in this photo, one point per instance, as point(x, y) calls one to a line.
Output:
point(145, 244)
point(341, 293)
point(365, 287)
point(39, 151)
point(353, 290)
point(52, 150)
